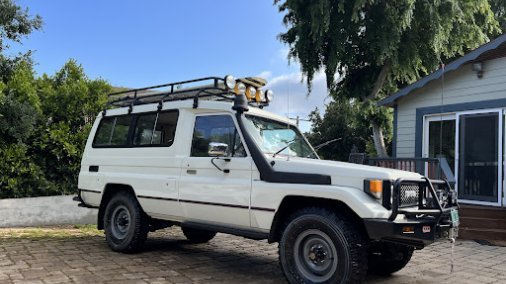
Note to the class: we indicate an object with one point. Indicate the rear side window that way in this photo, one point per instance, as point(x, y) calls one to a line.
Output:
point(113, 131)
point(156, 129)
point(149, 130)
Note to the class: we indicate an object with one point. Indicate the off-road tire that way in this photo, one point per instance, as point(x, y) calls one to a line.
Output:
point(386, 258)
point(130, 235)
point(197, 236)
point(320, 246)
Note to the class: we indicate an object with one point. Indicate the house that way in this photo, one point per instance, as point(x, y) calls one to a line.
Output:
point(458, 112)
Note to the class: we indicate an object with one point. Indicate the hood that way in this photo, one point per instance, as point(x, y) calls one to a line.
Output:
point(341, 173)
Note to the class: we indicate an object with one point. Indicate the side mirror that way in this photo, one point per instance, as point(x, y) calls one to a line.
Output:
point(217, 149)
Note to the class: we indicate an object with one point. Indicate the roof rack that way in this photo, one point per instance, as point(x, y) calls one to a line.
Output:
point(173, 91)
point(213, 88)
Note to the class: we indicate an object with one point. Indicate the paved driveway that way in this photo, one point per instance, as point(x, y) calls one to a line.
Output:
point(65, 255)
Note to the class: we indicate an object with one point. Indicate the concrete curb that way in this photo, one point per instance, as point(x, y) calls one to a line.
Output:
point(44, 211)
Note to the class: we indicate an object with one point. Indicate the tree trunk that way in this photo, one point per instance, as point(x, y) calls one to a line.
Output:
point(379, 140)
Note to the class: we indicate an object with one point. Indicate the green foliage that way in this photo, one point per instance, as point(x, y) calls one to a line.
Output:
point(15, 22)
point(355, 39)
point(373, 47)
point(346, 119)
point(44, 124)
point(16, 121)
point(21, 85)
point(499, 9)
point(20, 175)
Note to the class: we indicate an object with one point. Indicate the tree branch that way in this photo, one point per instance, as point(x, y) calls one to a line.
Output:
point(380, 80)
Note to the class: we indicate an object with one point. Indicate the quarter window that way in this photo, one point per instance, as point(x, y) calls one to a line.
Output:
point(216, 135)
point(156, 129)
point(113, 131)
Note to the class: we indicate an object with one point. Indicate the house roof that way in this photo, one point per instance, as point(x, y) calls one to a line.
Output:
point(493, 49)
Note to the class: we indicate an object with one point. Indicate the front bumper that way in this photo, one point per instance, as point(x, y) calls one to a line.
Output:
point(435, 216)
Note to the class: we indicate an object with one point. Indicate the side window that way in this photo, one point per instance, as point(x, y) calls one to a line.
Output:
point(113, 131)
point(156, 129)
point(143, 134)
point(216, 135)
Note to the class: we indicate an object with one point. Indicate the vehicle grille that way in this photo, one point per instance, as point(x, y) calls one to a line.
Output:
point(409, 194)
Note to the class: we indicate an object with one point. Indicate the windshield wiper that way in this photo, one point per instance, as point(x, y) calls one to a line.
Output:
point(282, 149)
point(326, 143)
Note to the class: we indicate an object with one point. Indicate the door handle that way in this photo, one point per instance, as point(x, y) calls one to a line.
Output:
point(191, 172)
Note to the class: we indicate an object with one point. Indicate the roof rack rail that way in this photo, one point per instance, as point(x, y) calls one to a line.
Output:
point(216, 88)
point(173, 91)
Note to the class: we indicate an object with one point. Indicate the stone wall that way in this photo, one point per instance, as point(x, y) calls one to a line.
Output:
point(44, 211)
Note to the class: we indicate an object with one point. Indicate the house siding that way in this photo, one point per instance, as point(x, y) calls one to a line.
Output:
point(460, 86)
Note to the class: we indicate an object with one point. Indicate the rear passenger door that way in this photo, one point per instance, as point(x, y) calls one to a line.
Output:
point(215, 182)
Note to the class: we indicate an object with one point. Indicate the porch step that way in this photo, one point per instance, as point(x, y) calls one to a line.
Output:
point(482, 234)
point(482, 223)
point(476, 211)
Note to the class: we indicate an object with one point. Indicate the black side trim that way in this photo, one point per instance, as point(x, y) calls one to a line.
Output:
point(208, 203)
point(267, 173)
point(157, 198)
point(90, 190)
point(215, 204)
point(93, 169)
point(256, 235)
point(263, 209)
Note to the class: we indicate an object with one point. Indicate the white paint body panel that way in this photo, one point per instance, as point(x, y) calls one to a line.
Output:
point(191, 189)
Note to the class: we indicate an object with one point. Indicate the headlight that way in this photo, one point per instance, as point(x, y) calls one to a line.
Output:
point(230, 82)
point(251, 92)
point(260, 96)
point(240, 88)
point(268, 95)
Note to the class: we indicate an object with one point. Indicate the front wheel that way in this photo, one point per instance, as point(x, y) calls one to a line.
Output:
point(387, 258)
point(125, 223)
point(320, 246)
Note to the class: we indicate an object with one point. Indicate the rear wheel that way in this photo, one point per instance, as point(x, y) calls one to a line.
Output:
point(387, 258)
point(197, 236)
point(125, 223)
point(320, 246)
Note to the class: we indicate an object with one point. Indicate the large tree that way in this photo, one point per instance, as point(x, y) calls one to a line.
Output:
point(45, 121)
point(370, 48)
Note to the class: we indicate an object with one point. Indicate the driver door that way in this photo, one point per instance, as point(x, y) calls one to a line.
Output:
point(215, 182)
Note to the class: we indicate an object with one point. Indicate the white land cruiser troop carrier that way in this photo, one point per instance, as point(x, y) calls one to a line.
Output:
point(203, 155)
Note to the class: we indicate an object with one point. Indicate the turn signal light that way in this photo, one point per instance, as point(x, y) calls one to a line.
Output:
point(408, 230)
point(374, 187)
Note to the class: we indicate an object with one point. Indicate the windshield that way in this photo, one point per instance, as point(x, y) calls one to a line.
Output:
point(277, 138)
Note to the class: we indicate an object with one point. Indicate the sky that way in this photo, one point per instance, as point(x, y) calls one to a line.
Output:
point(138, 44)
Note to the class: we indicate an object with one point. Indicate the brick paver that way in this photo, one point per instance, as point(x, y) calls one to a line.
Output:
point(169, 258)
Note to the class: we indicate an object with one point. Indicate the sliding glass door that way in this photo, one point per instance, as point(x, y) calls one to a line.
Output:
point(479, 157)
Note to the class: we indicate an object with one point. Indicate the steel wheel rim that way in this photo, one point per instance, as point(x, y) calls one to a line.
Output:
point(120, 222)
point(315, 255)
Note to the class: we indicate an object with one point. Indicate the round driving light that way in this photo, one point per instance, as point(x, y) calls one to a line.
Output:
point(230, 81)
point(260, 96)
point(240, 88)
point(251, 92)
point(268, 95)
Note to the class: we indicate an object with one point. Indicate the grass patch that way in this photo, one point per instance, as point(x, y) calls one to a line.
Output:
point(70, 231)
